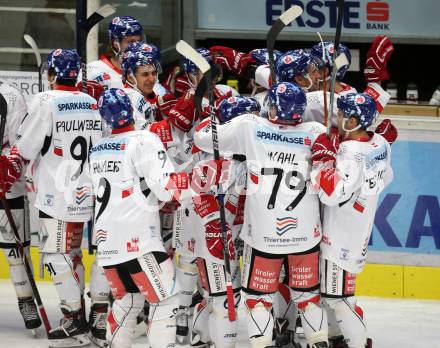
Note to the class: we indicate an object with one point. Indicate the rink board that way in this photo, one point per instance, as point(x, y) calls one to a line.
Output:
point(377, 280)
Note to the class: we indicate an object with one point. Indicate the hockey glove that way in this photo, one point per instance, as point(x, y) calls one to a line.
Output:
point(94, 89)
point(232, 60)
point(181, 85)
point(387, 130)
point(325, 149)
point(377, 59)
point(207, 174)
point(182, 115)
point(214, 242)
point(166, 102)
point(10, 172)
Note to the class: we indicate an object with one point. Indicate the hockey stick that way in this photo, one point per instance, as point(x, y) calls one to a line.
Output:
point(334, 66)
point(91, 21)
point(285, 19)
point(31, 42)
point(190, 53)
point(3, 113)
point(324, 81)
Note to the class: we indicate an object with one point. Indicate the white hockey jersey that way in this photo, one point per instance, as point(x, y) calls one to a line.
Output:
point(109, 75)
point(129, 173)
point(61, 127)
point(17, 111)
point(105, 73)
point(363, 170)
point(143, 113)
point(281, 212)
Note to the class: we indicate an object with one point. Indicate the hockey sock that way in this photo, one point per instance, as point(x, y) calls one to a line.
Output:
point(223, 332)
point(313, 318)
point(200, 327)
point(350, 319)
point(162, 323)
point(19, 277)
point(186, 272)
point(121, 321)
point(99, 287)
point(259, 319)
point(66, 280)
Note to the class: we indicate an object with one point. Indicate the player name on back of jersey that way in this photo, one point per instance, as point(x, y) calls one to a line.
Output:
point(78, 125)
point(106, 166)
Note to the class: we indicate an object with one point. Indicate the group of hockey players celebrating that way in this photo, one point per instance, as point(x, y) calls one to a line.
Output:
point(136, 157)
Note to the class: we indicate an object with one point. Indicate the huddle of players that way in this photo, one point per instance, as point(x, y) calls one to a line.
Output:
point(153, 154)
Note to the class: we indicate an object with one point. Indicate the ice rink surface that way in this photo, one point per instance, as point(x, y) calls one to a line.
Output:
point(391, 322)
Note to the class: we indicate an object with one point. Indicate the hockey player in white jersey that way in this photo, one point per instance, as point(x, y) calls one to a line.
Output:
point(375, 68)
point(131, 173)
point(107, 70)
point(350, 170)
point(122, 31)
point(61, 126)
point(183, 120)
point(16, 112)
point(140, 69)
point(281, 220)
point(210, 321)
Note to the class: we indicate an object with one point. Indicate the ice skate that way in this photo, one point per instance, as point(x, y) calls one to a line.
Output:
point(182, 328)
point(72, 332)
point(29, 312)
point(98, 322)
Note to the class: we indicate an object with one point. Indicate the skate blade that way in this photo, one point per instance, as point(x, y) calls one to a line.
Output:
point(75, 341)
point(97, 341)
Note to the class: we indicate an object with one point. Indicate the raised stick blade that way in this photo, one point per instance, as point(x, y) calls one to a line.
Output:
point(31, 42)
point(190, 53)
point(106, 10)
point(285, 19)
point(341, 61)
point(97, 16)
point(288, 16)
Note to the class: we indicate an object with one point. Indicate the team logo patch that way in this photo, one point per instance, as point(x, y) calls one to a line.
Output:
point(288, 59)
point(101, 236)
point(281, 88)
point(116, 20)
point(147, 48)
point(286, 224)
point(49, 200)
point(81, 193)
point(120, 92)
point(344, 254)
point(132, 246)
point(57, 52)
point(232, 100)
point(331, 48)
point(360, 99)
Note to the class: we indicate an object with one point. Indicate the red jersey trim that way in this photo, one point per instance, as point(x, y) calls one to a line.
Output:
point(128, 128)
point(107, 61)
point(66, 88)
